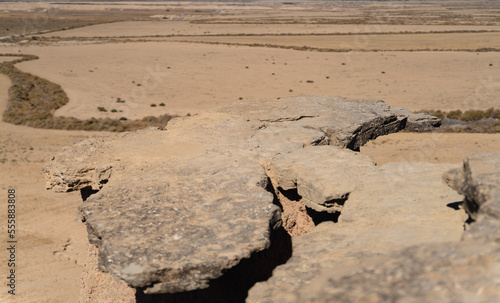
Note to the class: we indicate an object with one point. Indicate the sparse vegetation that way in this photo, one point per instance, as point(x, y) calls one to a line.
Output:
point(309, 81)
point(474, 120)
point(153, 105)
point(33, 101)
point(467, 116)
point(161, 104)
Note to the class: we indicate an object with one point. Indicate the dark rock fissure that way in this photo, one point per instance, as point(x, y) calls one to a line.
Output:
point(87, 192)
point(319, 217)
point(234, 285)
point(293, 196)
point(290, 194)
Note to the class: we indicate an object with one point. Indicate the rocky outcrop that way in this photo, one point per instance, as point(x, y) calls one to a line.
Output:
point(334, 263)
point(181, 209)
point(395, 206)
point(346, 122)
point(322, 176)
point(479, 182)
point(419, 122)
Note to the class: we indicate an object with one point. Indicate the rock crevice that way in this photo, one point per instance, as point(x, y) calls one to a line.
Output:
point(172, 211)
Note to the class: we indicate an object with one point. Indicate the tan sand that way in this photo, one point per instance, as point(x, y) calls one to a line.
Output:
point(430, 147)
point(204, 76)
point(51, 242)
point(167, 27)
point(384, 42)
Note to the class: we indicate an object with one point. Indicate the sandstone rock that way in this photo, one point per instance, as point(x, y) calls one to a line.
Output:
point(348, 123)
point(452, 272)
point(175, 210)
point(324, 176)
point(395, 206)
point(333, 263)
point(419, 122)
point(479, 181)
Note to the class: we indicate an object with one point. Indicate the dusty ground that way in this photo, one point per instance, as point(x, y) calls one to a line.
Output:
point(189, 78)
point(193, 77)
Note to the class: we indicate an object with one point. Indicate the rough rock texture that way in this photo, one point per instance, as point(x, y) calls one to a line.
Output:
point(394, 206)
point(173, 210)
point(331, 264)
point(323, 176)
point(479, 181)
point(419, 122)
point(346, 122)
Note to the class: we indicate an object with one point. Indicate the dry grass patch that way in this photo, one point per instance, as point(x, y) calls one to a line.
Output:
point(33, 101)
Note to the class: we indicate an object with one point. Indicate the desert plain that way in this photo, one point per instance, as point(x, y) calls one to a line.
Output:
point(129, 60)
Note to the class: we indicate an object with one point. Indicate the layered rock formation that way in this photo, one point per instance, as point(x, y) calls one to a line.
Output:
point(333, 264)
point(199, 206)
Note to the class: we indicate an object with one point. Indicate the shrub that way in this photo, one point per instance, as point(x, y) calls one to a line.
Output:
point(153, 105)
point(114, 110)
point(454, 114)
point(102, 109)
point(162, 104)
point(472, 115)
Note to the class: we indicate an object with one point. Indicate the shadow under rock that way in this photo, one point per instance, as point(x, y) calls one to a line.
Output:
point(233, 285)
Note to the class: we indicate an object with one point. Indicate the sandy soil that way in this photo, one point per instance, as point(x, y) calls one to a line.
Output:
point(51, 242)
point(381, 42)
point(167, 27)
point(430, 147)
point(192, 77)
point(189, 78)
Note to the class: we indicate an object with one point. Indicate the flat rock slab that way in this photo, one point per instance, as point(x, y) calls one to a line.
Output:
point(324, 176)
point(395, 206)
point(451, 272)
point(348, 123)
point(172, 210)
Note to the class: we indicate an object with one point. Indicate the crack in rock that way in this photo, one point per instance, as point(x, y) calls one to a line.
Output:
point(188, 204)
